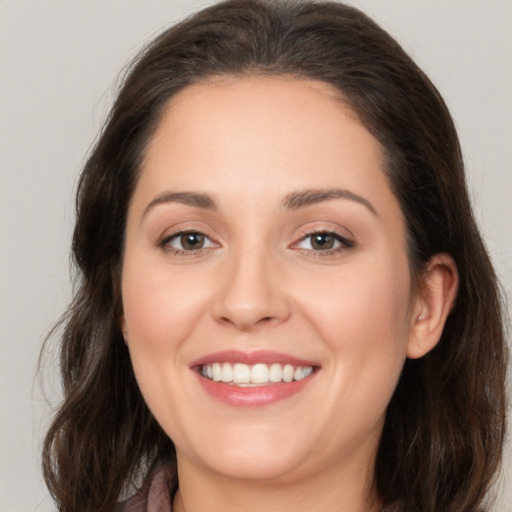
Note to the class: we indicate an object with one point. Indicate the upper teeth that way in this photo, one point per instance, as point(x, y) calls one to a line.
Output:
point(243, 374)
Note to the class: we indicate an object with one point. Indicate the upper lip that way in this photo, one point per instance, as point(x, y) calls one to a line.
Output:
point(251, 358)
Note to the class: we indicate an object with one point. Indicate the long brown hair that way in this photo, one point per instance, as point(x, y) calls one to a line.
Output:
point(444, 429)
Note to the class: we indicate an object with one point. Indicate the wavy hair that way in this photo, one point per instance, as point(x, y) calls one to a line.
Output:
point(442, 439)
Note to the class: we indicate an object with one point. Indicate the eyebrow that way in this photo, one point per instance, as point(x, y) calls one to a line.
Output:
point(308, 197)
point(292, 201)
point(189, 198)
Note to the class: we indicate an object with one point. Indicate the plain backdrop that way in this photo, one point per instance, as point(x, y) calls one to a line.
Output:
point(59, 60)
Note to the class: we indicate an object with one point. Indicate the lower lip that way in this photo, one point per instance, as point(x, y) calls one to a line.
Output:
point(257, 396)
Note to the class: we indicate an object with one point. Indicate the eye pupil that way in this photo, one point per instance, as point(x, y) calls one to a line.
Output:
point(322, 241)
point(191, 241)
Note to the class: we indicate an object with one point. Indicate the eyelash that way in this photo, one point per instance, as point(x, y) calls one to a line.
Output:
point(344, 242)
point(165, 243)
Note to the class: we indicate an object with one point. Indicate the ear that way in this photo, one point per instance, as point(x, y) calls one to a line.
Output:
point(435, 297)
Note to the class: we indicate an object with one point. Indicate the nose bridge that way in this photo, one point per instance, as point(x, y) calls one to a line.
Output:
point(252, 294)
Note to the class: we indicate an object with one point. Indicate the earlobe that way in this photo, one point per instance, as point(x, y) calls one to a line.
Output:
point(436, 295)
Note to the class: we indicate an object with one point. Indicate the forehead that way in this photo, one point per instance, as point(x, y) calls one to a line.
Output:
point(262, 119)
point(260, 136)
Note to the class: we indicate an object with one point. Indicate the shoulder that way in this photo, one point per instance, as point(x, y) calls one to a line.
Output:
point(154, 495)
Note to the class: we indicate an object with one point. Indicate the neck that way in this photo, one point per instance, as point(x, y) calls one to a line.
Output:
point(325, 491)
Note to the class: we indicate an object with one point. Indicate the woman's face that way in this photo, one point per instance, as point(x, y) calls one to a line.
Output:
point(265, 283)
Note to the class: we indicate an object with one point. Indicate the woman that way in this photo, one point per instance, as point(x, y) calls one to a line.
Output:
point(284, 302)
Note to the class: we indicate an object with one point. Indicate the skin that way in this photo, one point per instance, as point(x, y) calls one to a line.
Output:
point(259, 284)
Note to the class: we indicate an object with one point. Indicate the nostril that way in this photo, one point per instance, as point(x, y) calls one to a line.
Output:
point(249, 305)
point(265, 320)
point(248, 324)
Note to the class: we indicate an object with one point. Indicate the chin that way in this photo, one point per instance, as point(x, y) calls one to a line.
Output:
point(253, 466)
point(250, 453)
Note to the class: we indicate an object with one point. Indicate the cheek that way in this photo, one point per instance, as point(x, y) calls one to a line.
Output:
point(363, 321)
point(367, 303)
point(160, 307)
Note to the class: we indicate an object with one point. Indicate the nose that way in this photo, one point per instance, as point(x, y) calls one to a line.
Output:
point(252, 293)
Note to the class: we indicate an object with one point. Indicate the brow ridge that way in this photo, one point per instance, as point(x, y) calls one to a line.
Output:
point(196, 199)
point(303, 198)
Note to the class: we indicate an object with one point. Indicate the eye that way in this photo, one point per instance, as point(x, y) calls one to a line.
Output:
point(323, 241)
point(186, 241)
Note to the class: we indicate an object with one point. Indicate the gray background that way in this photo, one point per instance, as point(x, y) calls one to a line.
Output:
point(58, 64)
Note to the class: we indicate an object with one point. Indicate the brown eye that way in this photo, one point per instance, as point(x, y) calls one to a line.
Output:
point(186, 241)
point(192, 241)
point(322, 241)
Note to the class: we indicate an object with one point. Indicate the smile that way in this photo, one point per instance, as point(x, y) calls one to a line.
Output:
point(253, 379)
point(260, 374)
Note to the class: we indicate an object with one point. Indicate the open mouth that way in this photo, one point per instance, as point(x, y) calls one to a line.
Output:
point(253, 379)
point(260, 374)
